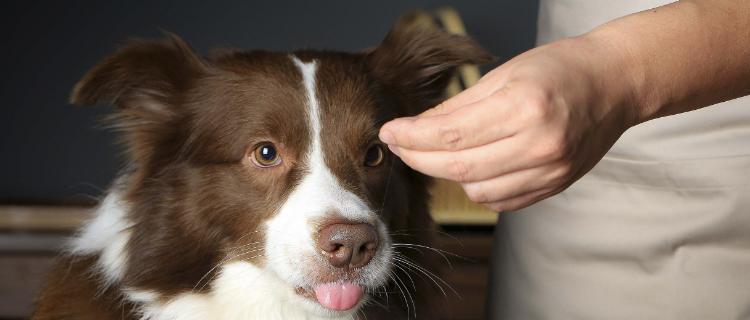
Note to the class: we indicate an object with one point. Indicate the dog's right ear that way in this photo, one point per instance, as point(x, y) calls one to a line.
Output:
point(145, 80)
point(417, 60)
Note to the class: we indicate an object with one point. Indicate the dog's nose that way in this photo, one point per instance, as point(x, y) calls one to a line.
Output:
point(348, 245)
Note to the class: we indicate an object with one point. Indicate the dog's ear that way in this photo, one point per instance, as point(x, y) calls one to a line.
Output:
point(142, 70)
point(145, 80)
point(417, 60)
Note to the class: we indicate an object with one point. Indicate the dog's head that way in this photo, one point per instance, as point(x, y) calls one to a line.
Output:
point(270, 161)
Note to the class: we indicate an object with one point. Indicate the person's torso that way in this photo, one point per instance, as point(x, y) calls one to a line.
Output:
point(659, 229)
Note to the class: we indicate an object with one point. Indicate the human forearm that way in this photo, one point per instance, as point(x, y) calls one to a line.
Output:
point(534, 125)
point(678, 57)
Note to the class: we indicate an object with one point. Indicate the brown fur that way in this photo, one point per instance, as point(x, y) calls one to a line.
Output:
point(189, 124)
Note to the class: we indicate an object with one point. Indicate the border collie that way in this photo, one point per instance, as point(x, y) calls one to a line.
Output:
point(257, 187)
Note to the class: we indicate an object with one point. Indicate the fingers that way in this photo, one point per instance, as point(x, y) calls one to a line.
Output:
point(518, 152)
point(474, 125)
point(392, 132)
point(474, 164)
point(512, 185)
point(501, 176)
point(506, 186)
point(521, 201)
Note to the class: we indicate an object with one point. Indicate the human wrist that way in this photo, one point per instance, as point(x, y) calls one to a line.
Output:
point(638, 51)
point(614, 79)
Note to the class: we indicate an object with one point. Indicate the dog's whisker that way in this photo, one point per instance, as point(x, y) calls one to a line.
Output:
point(424, 276)
point(219, 264)
point(413, 285)
point(387, 184)
point(216, 274)
point(411, 297)
point(404, 293)
point(362, 313)
point(403, 234)
point(252, 244)
point(377, 303)
point(246, 235)
point(440, 232)
point(429, 274)
point(443, 253)
point(381, 291)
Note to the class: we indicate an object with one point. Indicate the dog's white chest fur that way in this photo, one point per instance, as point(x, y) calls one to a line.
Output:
point(241, 291)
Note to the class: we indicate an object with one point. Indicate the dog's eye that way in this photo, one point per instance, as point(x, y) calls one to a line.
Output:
point(374, 156)
point(266, 155)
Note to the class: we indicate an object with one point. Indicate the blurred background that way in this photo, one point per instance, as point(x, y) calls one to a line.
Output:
point(56, 159)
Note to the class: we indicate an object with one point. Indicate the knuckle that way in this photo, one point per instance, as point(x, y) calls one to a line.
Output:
point(443, 106)
point(497, 98)
point(476, 194)
point(563, 171)
point(459, 170)
point(537, 107)
point(450, 137)
point(532, 114)
point(554, 149)
point(406, 140)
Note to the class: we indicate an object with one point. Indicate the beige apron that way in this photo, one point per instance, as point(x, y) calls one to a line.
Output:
point(659, 229)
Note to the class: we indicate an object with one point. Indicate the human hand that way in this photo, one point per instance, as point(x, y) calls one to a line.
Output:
point(526, 130)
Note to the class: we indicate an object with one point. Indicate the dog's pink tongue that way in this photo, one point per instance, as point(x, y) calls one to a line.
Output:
point(338, 296)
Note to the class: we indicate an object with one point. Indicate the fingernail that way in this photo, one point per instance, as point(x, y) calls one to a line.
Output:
point(386, 136)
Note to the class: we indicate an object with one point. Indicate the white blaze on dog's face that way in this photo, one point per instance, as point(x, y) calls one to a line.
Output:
point(292, 248)
point(259, 181)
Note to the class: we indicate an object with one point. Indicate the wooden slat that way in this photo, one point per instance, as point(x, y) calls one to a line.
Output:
point(450, 204)
point(452, 23)
point(42, 218)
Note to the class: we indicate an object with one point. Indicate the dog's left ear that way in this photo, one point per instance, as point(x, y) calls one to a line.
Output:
point(417, 61)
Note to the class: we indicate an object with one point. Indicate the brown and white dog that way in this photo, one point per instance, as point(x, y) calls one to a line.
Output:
point(258, 188)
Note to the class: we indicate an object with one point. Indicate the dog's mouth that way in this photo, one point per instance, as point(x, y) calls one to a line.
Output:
point(338, 296)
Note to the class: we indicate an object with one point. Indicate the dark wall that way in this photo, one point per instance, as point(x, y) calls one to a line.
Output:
point(51, 152)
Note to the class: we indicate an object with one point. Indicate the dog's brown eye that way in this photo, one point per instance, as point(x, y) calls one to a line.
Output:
point(265, 155)
point(374, 156)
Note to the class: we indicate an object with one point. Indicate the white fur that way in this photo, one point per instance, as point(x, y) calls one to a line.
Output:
point(106, 234)
point(141, 296)
point(242, 290)
point(290, 245)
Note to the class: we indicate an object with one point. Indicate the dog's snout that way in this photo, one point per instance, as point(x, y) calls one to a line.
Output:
point(348, 245)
